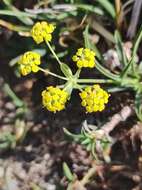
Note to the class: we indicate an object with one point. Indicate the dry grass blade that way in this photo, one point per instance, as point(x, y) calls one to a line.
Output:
point(134, 18)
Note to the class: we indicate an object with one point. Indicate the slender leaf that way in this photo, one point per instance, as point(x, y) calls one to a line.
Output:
point(108, 6)
point(138, 105)
point(119, 48)
point(67, 172)
point(89, 44)
point(20, 14)
point(132, 64)
point(90, 8)
point(102, 69)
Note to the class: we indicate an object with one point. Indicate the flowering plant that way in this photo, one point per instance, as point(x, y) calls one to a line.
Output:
point(94, 98)
point(118, 69)
point(54, 99)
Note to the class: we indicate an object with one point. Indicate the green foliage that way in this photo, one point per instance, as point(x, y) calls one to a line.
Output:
point(7, 140)
point(108, 6)
point(90, 137)
point(130, 76)
point(119, 48)
point(67, 172)
point(138, 105)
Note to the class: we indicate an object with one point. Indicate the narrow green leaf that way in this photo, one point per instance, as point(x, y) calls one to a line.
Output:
point(138, 105)
point(7, 2)
point(126, 69)
point(102, 69)
point(18, 14)
point(131, 66)
point(86, 141)
point(137, 42)
point(108, 6)
point(90, 8)
point(86, 37)
point(106, 72)
point(140, 68)
point(119, 48)
point(89, 44)
point(26, 20)
point(67, 172)
point(71, 135)
point(116, 89)
point(89, 146)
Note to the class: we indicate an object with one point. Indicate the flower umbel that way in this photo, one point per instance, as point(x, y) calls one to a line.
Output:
point(29, 62)
point(84, 57)
point(54, 98)
point(94, 98)
point(42, 31)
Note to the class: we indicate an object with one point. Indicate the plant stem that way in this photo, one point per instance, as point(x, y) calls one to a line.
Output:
point(53, 52)
point(117, 7)
point(88, 175)
point(53, 74)
point(95, 81)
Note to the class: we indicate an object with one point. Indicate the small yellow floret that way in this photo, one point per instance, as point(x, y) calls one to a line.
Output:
point(84, 57)
point(29, 62)
point(54, 99)
point(94, 98)
point(42, 31)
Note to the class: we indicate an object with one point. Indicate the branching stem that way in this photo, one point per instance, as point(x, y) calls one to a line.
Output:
point(95, 81)
point(53, 52)
point(53, 74)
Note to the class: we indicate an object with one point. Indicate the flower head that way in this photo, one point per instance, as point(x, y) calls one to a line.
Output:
point(84, 57)
point(42, 31)
point(94, 98)
point(54, 98)
point(29, 62)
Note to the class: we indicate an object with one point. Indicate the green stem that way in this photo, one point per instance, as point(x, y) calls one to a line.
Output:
point(53, 74)
point(53, 52)
point(95, 81)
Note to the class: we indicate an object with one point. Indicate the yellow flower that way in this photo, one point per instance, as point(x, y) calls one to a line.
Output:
point(94, 98)
point(54, 99)
point(42, 31)
point(84, 57)
point(29, 62)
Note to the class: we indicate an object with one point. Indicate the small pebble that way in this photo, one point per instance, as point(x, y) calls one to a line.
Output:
point(10, 106)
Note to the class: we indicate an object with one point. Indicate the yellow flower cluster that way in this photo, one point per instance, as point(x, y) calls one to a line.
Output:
point(54, 98)
point(84, 57)
point(94, 98)
point(29, 62)
point(42, 31)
